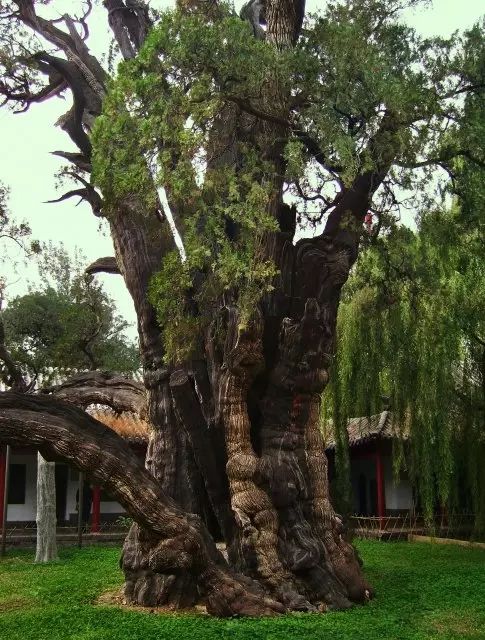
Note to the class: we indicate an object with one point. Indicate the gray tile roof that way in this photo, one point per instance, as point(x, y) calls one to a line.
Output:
point(361, 430)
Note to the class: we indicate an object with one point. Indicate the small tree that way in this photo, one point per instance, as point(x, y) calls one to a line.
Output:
point(68, 325)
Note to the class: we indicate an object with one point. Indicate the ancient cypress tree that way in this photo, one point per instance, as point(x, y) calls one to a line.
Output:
point(236, 131)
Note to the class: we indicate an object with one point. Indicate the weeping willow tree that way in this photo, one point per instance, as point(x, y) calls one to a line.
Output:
point(411, 329)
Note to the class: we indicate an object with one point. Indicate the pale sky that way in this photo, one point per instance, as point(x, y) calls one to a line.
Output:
point(29, 169)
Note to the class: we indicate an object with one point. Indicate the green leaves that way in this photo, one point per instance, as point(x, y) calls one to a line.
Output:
point(410, 328)
point(69, 324)
point(377, 102)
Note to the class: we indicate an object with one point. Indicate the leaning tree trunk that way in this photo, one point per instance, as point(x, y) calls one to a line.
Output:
point(46, 549)
point(175, 543)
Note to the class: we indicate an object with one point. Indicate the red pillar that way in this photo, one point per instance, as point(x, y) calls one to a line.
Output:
point(3, 475)
point(381, 496)
point(96, 516)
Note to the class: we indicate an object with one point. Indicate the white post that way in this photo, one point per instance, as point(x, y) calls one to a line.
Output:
point(46, 511)
point(80, 501)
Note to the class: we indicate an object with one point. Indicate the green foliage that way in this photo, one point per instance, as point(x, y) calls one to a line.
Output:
point(175, 126)
point(411, 328)
point(353, 62)
point(68, 324)
point(424, 592)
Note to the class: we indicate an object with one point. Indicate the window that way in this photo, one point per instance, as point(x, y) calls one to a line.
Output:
point(17, 483)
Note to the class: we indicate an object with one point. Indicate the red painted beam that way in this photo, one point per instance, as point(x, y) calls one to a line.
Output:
point(381, 496)
point(3, 475)
point(96, 515)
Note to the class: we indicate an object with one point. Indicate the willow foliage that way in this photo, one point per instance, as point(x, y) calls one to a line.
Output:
point(411, 328)
point(411, 331)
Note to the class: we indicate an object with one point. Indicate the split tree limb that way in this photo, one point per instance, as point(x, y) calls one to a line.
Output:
point(191, 417)
point(76, 158)
point(107, 264)
point(102, 387)
point(129, 20)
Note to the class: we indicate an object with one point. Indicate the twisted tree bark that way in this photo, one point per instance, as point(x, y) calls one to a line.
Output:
point(236, 439)
point(175, 542)
point(104, 388)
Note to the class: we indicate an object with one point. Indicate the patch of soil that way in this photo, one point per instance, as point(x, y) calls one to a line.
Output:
point(14, 603)
point(115, 598)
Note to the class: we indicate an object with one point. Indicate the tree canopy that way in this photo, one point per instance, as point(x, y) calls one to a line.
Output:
point(66, 325)
point(410, 333)
point(368, 102)
point(411, 330)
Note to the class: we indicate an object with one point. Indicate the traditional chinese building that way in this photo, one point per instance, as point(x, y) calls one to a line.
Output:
point(375, 490)
point(22, 481)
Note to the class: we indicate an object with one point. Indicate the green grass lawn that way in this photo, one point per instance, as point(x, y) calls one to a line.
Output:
point(423, 591)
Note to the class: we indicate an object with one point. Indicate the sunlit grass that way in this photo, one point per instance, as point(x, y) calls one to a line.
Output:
point(423, 592)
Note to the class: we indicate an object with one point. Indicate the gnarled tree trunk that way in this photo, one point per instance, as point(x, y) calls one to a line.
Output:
point(174, 543)
point(236, 439)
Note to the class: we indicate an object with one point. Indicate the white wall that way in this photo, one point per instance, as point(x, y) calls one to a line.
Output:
point(111, 507)
point(399, 495)
point(72, 487)
point(27, 511)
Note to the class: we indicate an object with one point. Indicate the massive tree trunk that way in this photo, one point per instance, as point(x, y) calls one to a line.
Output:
point(236, 439)
point(46, 548)
point(176, 543)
